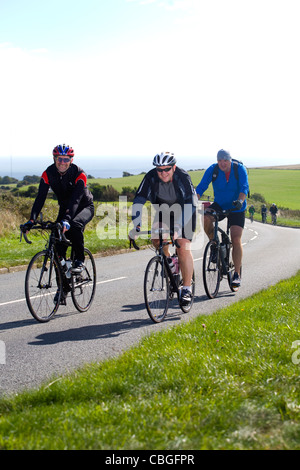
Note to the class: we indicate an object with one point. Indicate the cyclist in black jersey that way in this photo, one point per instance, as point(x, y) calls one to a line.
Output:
point(170, 190)
point(76, 207)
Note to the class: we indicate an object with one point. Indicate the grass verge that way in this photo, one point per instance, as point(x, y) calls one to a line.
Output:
point(225, 381)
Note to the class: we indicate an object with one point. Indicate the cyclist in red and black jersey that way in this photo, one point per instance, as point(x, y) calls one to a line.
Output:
point(76, 207)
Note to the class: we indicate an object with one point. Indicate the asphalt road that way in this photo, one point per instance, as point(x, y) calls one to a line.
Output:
point(32, 353)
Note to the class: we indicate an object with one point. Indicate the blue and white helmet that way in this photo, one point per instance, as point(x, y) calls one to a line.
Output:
point(164, 159)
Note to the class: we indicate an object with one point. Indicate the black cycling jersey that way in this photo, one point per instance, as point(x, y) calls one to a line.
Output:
point(70, 189)
point(186, 197)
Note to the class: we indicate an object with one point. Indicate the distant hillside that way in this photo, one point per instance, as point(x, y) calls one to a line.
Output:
point(279, 167)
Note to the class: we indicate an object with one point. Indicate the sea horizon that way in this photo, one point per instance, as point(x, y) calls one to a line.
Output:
point(101, 167)
point(112, 167)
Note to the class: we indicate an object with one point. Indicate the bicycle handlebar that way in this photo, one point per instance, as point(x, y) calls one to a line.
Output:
point(44, 226)
point(148, 232)
point(24, 234)
point(215, 213)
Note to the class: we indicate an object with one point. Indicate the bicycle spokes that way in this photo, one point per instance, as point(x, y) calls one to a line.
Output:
point(84, 284)
point(156, 289)
point(43, 287)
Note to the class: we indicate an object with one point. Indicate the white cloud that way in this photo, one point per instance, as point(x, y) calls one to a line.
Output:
point(221, 74)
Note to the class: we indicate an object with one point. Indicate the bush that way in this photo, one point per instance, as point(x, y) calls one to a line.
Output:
point(129, 192)
point(103, 193)
point(30, 192)
point(258, 197)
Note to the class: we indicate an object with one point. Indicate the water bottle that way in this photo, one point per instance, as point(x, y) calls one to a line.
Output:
point(223, 250)
point(175, 262)
point(69, 266)
point(171, 265)
point(63, 263)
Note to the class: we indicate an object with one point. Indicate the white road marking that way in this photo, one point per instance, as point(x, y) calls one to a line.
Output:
point(99, 282)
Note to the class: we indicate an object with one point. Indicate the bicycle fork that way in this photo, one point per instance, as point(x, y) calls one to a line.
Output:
point(44, 269)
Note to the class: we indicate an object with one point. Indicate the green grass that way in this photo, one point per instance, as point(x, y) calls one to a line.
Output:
point(225, 381)
point(14, 253)
point(279, 186)
point(276, 185)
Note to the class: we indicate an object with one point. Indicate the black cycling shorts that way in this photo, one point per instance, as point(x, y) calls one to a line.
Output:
point(234, 218)
point(167, 221)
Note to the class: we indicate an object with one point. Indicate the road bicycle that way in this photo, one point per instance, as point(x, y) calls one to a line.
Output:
point(217, 258)
point(49, 278)
point(263, 217)
point(160, 283)
point(274, 219)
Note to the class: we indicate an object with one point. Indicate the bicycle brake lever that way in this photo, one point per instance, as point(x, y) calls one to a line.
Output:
point(25, 238)
point(61, 234)
point(176, 244)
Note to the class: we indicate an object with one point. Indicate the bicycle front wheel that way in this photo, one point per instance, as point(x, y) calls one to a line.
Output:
point(43, 286)
point(156, 290)
point(211, 270)
point(84, 284)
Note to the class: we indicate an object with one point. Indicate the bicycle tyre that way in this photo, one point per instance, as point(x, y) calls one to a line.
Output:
point(156, 295)
point(39, 292)
point(211, 271)
point(230, 272)
point(84, 284)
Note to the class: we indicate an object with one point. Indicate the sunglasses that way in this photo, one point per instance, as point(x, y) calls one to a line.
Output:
point(160, 170)
point(63, 160)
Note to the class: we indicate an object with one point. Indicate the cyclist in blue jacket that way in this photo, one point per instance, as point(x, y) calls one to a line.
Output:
point(230, 191)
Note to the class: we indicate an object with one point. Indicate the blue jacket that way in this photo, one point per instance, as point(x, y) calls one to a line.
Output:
point(225, 193)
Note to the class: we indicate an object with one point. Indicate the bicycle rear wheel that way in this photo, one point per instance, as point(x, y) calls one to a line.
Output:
point(42, 281)
point(211, 269)
point(187, 308)
point(156, 289)
point(84, 284)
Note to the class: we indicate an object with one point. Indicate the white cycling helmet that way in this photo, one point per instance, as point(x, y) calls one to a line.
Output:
point(164, 159)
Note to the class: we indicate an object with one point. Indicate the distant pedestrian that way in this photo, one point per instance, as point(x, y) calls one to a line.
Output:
point(263, 212)
point(274, 210)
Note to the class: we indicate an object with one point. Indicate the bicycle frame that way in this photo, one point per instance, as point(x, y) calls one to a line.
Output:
point(163, 257)
point(50, 244)
point(225, 240)
point(160, 231)
point(218, 264)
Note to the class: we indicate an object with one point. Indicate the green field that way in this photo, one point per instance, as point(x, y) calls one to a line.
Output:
point(279, 186)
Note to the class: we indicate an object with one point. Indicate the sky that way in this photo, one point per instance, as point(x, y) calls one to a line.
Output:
point(131, 78)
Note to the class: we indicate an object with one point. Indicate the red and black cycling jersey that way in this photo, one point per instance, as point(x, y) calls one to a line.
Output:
point(70, 189)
